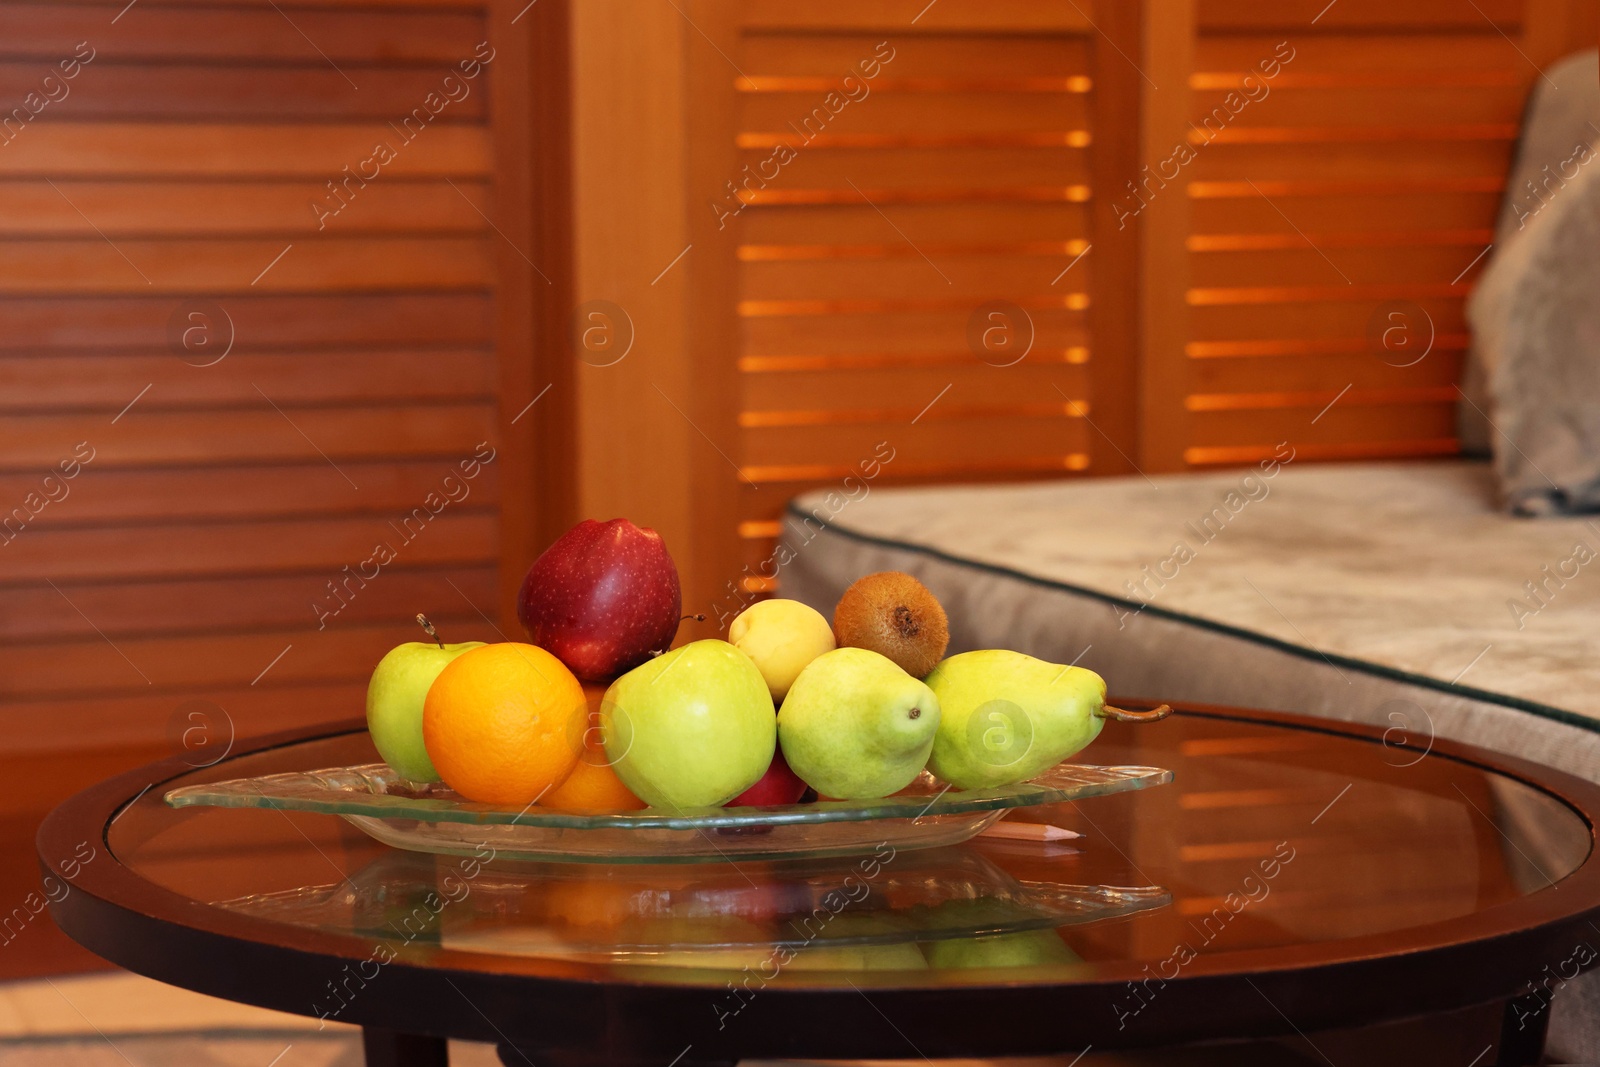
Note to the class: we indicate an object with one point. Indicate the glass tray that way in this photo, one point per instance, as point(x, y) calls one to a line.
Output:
point(432, 818)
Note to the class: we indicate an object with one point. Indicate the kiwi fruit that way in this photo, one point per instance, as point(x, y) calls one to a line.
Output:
point(894, 615)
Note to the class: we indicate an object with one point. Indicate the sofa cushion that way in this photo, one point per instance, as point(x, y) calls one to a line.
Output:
point(1560, 132)
point(1330, 590)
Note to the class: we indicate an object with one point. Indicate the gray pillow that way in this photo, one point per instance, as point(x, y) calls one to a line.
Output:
point(1562, 119)
point(1537, 310)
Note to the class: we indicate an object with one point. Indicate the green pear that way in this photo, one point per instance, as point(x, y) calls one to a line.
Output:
point(1008, 717)
point(692, 728)
point(1033, 948)
point(856, 726)
point(394, 703)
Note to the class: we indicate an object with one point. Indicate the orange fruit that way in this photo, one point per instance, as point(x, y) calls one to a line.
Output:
point(591, 899)
point(592, 786)
point(504, 723)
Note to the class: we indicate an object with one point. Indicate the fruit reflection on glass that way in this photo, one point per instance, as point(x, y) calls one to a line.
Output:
point(504, 723)
point(1032, 948)
point(603, 598)
point(657, 905)
point(394, 701)
point(814, 957)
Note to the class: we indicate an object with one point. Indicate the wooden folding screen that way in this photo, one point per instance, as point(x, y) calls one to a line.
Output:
point(256, 262)
point(904, 208)
point(1343, 167)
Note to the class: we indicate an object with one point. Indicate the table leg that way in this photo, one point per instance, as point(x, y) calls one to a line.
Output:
point(1522, 1032)
point(387, 1048)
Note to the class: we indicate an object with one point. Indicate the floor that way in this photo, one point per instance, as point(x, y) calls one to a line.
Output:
point(36, 783)
point(114, 1019)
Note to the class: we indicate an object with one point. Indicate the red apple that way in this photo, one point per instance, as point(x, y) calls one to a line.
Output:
point(779, 785)
point(602, 598)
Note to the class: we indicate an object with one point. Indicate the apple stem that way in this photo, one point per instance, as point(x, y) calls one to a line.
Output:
point(1153, 715)
point(427, 628)
point(697, 618)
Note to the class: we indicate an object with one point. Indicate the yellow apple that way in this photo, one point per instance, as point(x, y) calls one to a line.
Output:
point(782, 636)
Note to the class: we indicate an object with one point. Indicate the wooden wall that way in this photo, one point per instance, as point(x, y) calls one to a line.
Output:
point(267, 284)
point(1348, 166)
point(1205, 211)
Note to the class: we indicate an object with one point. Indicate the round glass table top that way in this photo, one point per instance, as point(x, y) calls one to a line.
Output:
point(1273, 834)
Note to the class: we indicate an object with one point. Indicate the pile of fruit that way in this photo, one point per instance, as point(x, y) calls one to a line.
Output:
point(598, 713)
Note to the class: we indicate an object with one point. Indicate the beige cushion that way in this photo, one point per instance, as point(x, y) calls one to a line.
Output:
point(1536, 314)
point(1563, 119)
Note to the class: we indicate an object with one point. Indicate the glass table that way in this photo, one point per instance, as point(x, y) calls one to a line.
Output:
point(1310, 883)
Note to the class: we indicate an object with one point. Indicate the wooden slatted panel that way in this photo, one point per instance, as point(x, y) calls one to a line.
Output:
point(957, 175)
point(178, 172)
point(1362, 178)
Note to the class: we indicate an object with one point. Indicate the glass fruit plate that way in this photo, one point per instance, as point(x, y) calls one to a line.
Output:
point(432, 818)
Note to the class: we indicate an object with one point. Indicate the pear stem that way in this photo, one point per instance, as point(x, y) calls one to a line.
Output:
point(1153, 715)
point(697, 618)
point(427, 628)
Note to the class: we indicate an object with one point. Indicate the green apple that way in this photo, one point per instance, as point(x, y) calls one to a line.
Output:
point(1009, 717)
point(782, 636)
point(1033, 948)
point(856, 726)
point(394, 703)
point(691, 728)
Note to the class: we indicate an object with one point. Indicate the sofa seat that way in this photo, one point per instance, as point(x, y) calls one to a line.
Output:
point(1387, 593)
